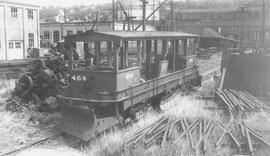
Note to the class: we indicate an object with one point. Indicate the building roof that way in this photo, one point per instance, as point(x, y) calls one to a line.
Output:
point(126, 35)
point(211, 33)
point(234, 9)
point(71, 23)
point(132, 34)
point(17, 2)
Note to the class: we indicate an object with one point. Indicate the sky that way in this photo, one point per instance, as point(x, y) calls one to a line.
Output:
point(62, 3)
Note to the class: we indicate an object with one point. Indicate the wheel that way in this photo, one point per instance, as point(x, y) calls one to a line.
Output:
point(155, 103)
point(24, 85)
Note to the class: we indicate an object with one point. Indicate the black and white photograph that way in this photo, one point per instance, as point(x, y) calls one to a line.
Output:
point(134, 78)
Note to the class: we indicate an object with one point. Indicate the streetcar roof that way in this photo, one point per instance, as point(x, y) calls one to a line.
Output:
point(127, 35)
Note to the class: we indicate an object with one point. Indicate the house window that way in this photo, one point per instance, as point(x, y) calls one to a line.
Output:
point(79, 32)
point(18, 45)
point(69, 32)
point(235, 36)
point(30, 14)
point(10, 45)
point(46, 34)
point(256, 35)
point(31, 40)
point(14, 13)
point(56, 36)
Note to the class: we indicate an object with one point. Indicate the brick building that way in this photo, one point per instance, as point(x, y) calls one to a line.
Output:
point(227, 22)
point(54, 32)
point(19, 29)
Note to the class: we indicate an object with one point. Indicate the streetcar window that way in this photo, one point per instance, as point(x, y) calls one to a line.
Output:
point(159, 47)
point(191, 46)
point(181, 46)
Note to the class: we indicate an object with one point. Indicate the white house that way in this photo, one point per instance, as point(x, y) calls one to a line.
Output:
point(19, 29)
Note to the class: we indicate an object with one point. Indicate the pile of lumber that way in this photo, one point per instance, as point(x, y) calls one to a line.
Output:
point(236, 100)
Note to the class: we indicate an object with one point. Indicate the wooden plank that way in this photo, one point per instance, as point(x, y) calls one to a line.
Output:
point(222, 78)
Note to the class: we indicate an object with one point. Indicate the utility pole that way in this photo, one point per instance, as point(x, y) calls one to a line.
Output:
point(144, 12)
point(65, 15)
point(242, 29)
point(113, 15)
point(263, 24)
point(172, 15)
point(148, 17)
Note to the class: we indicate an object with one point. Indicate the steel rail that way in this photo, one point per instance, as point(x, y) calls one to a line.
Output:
point(32, 144)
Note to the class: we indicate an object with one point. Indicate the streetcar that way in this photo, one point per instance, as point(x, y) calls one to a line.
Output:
point(124, 72)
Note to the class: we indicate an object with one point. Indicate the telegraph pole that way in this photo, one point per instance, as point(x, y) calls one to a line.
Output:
point(263, 24)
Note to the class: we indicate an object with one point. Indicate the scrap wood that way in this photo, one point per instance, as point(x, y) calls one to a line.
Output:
point(255, 134)
point(201, 134)
point(171, 127)
point(227, 131)
point(164, 138)
point(160, 133)
point(163, 119)
point(186, 131)
point(249, 142)
point(221, 84)
point(224, 100)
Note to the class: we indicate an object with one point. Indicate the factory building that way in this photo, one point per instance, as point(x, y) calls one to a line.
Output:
point(19, 29)
point(231, 23)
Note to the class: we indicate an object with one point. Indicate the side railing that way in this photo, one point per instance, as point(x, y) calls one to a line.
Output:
point(136, 94)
